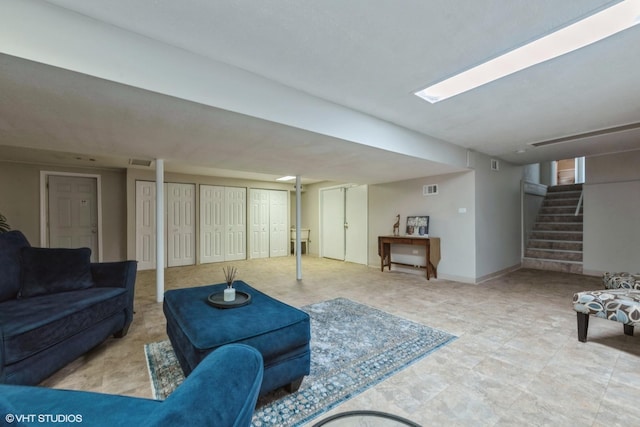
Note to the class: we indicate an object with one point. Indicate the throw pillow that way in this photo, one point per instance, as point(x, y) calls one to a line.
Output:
point(11, 243)
point(48, 270)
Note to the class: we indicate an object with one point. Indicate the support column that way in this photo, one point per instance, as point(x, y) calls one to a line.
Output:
point(579, 170)
point(298, 226)
point(554, 173)
point(159, 230)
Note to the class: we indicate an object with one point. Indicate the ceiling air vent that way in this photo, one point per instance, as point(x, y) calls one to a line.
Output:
point(495, 165)
point(623, 128)
point(139, 162)
point(430, 190)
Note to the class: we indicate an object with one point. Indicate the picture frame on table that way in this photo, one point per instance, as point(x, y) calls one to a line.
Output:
point(418, 226)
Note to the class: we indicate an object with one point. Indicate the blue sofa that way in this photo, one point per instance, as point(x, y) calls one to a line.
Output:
point(221, 391)
point(55, 305)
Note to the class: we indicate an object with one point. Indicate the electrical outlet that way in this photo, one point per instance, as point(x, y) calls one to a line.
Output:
point(415, 252)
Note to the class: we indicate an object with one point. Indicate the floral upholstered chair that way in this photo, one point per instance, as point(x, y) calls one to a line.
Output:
point(619, 301)
point(621, 280)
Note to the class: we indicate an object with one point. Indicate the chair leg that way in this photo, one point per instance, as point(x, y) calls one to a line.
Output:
point(583, 325)
point(628, 330)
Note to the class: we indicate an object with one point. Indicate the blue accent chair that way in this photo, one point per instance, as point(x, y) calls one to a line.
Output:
point(221, 391)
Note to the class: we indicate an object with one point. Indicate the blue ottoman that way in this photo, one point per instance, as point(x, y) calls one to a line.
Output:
point(281, 333)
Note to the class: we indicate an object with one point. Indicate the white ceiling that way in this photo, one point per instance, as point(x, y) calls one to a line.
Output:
point(369, 56)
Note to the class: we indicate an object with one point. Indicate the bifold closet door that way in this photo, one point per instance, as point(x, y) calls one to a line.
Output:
point(259, 228)
point(212, 223)
point(181, 228)
point(269, 223)
point(146, 225)
point(236, 223)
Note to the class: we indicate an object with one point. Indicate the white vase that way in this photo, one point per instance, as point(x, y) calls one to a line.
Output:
point(229, 294)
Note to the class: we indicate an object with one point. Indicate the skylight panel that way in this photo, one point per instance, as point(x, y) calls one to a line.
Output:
point(592, 29)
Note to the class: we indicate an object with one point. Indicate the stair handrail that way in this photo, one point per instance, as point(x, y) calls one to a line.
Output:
point(579, 204)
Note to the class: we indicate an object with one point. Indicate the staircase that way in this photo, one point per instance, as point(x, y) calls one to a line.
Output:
point(555, 243)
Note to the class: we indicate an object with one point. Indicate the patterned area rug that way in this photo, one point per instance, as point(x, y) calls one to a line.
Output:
point(353, 347)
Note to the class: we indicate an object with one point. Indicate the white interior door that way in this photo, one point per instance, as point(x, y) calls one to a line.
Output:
point(146, 225)
point(332, 223)
point(181, 231)
point(236, 223)
point(212, 223)
point(356, 213)
point(259, 223)
point(73, 213)
point(278, 234)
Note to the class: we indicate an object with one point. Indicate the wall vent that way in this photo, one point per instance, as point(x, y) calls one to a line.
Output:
point(495, 165)
point(140, 162)
point(430, 190)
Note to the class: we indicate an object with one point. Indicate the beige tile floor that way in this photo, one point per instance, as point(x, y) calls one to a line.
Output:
point(517, 360)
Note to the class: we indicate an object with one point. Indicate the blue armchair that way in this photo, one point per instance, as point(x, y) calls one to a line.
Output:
point(221, 391)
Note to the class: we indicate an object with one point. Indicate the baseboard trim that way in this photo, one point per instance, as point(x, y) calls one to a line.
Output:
point(498, 273)
point(592, 272)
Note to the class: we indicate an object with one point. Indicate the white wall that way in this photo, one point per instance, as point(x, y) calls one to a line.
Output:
point(612, 213)
point(498, 217)
point(20, 203)
point(546, 172)
point(476, 214)
point(456, 231)
point(531, 173)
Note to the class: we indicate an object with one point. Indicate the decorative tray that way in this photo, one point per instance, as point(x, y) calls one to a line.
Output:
point(216, 299)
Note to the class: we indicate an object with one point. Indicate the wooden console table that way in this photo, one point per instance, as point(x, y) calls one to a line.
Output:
point(431, 244)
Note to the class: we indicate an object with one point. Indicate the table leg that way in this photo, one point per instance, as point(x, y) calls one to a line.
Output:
point(428, 255)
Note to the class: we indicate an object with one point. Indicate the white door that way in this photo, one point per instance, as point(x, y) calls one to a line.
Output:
point(236, 223)
point(212, 223)
point(259, 228)
point(332, 223)
point(181, 231)
point(146, 225)
point(73, 213)
point(356, 212)
point(278, 234)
